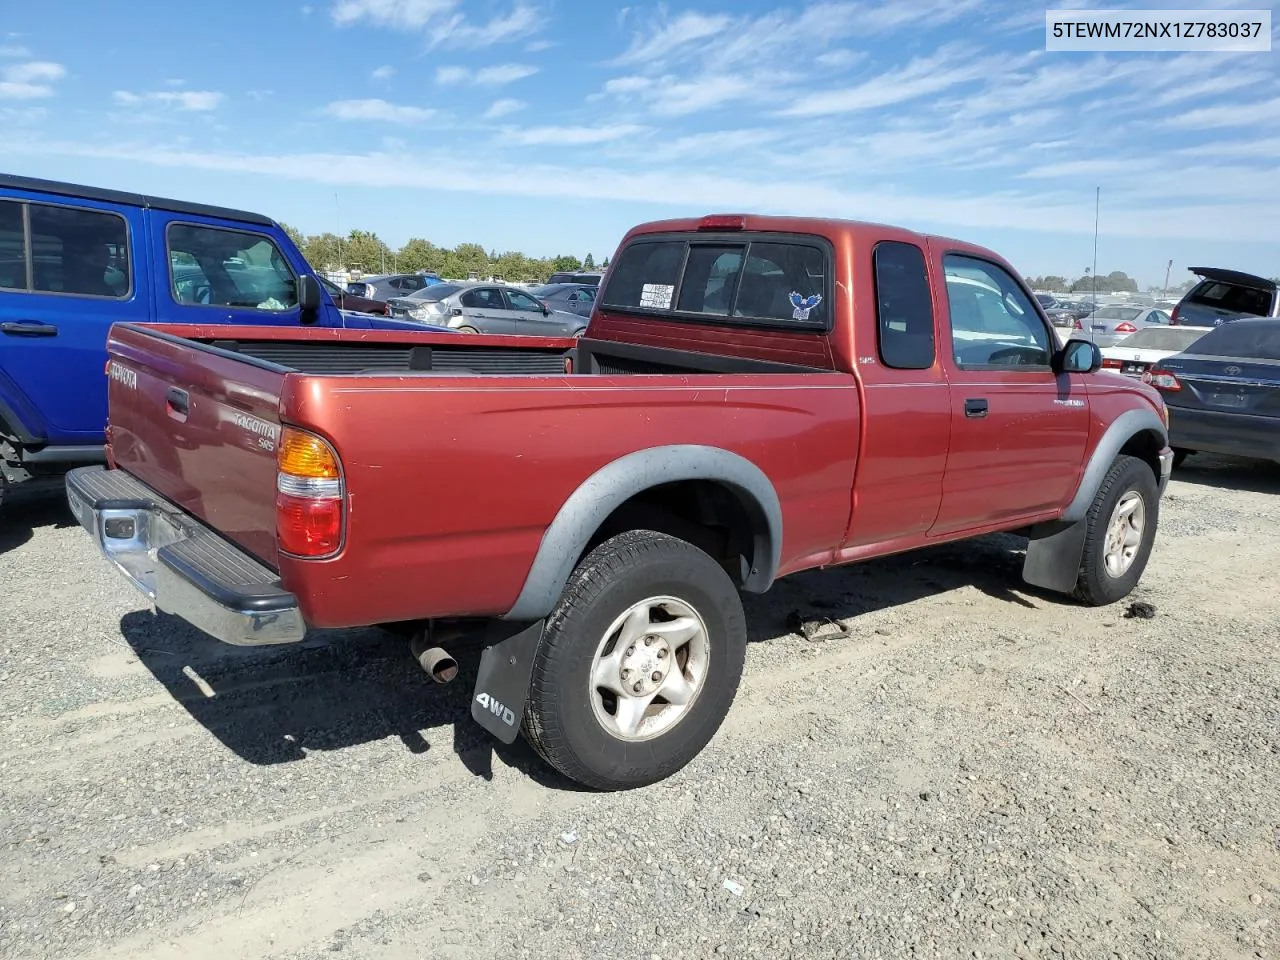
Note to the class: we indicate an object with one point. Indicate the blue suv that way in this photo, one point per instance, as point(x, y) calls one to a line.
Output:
point(75, 259)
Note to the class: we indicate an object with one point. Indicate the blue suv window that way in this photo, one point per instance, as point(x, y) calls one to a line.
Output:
point(213, 266)
point(72, 251)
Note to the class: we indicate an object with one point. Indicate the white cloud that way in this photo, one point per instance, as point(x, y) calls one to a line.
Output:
point(384, 72)
point(12, 50)
point(839, 59)
point(945, 68)
point(504, 107)
point(376, 110)
point(32, 80)
point(495, 76)
point(193, 101)
point(1231, 114)
point(572, 136)
point(670, 38)
point(439, 19)
point(1247, 220)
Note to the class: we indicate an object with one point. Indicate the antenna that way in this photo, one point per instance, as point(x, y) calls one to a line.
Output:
point(1097, 206)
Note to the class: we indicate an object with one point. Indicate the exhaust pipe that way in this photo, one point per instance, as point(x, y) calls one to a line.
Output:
point(439, 665)
point(436, 661)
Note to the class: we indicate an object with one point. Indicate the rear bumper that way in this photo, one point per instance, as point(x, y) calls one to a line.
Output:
point(1166, 468)
point(1236, 434)
point(184, 567)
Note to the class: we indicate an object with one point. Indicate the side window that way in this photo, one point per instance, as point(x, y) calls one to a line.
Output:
point(229, 268)
point(13, 247)
point(79, 252)
point(783, 281)
point(645, 276)
point(710, 279)
point(484, 298)
point(993, 323)
point(904, 306)
point(522, 301)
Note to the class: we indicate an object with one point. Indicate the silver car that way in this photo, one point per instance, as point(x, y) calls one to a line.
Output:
point(476, 307)
point(1107, 326)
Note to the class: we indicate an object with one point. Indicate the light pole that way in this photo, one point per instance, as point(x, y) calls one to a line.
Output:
point(1166, 277)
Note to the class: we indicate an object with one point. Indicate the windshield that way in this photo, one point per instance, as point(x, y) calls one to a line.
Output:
point(437, 291)
point(1163, 338)
point(548, 290)
point(1246, 339)
point(1116, 313)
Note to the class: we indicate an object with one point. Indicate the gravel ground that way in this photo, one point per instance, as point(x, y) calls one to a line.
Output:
point(978, 771)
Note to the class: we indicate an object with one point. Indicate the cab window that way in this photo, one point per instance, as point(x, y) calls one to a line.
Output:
point(993, 323)
point(212, 266)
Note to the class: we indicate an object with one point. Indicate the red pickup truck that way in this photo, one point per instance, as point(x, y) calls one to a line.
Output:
point(754, 396)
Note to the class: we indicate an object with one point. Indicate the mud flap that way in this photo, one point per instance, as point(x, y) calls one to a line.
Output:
point(1054, 555)
point(506, 670)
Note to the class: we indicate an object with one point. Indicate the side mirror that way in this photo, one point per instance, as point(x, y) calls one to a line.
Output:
point(310, 297)
point(1079, 356)
point(546, 311)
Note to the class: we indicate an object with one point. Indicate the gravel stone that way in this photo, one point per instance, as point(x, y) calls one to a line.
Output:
point(976, 770)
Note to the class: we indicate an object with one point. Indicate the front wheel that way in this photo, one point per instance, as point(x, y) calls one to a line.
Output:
point(638, 664)
point(1120, 531)
point(467, 330)
point(1179, 455)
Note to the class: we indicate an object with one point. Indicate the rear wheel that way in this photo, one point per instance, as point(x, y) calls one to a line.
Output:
point(1120, 531)
point(638, 664)
point(467, 330)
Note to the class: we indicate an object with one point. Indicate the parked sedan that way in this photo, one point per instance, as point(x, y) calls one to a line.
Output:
point(486, 308)
point(1140, 351)
point(383, 287)
point(1223, 394)
point(345, 300)
point(569, 297)
point(1107, 326)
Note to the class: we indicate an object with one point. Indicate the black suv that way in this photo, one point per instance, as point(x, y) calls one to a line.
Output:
point(1223, 295)
point(569, 276)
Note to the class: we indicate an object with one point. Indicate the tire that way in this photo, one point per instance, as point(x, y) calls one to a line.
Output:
point(1179, 455)
point(467, 330)
point(579, 332)
point(1097, 585)
point(567, 720)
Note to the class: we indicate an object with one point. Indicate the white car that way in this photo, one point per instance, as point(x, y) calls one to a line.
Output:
point(1137, 353)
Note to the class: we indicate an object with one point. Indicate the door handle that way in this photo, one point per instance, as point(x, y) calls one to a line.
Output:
point(976, 408)
point(20, 329)
point(178, 400)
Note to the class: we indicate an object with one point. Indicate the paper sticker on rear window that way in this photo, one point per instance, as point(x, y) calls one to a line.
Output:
point(656, 296)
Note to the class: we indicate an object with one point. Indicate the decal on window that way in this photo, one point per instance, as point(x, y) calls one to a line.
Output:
point(656, 295)
point(803, 305)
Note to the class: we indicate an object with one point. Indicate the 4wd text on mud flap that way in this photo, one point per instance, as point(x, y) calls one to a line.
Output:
point(497, 708)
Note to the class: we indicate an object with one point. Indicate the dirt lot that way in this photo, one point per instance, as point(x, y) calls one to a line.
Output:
point(979, 771)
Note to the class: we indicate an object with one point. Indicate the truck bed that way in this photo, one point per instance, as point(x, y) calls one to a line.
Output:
point(457, 450)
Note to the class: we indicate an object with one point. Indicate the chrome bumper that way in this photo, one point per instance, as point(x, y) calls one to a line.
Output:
point(184, 567)
point(1166, 468)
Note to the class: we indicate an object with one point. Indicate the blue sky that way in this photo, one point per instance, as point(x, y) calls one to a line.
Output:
point(554, 125)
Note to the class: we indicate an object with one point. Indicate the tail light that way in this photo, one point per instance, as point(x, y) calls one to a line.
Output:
point(310, 496)
point(1162, 380)
point(1173, 317)
point(1111, 363)
point(1126, 327)
point(722, 221)
point(568, 364)
point(1077, 325)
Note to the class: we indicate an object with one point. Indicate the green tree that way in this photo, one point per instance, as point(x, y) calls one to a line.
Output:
point(364, 251)
point(589, 263)
point(323, 251)
point(566, 262)
point(418, 254)
point(294, 234)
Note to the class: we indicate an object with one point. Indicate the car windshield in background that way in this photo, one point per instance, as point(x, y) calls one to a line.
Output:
point(1116, 313)
point(437, 291)
point(1163, 338)
point(551, 289)
point(1229, 296)
point(1245, 339)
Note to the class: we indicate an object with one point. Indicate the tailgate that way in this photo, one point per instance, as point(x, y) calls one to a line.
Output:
point(199, 425)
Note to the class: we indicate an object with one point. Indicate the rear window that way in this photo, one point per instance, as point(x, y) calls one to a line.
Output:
point(73, 251)
point(1160, 338)
point(1116, 313)
point(1246, 339)
point(1229, 296)
point(780, 282)
point(437, 291)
